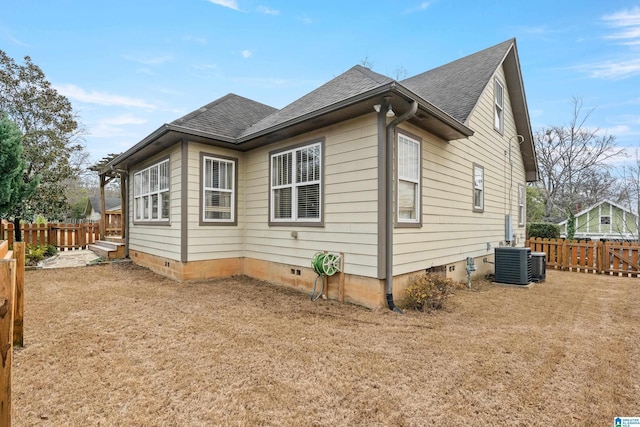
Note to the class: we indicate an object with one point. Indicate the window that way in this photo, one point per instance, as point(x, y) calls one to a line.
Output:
point(151, 193)
point(521, 201)
point(478, 188)
point(605, 220)
point(296, 184)
point(218, 190)
point(499, 106)
point(408, 179)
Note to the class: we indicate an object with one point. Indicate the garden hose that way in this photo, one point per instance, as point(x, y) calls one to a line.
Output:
point(324, 265)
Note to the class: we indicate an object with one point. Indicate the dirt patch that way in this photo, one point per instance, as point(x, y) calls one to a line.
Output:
point(119, 345)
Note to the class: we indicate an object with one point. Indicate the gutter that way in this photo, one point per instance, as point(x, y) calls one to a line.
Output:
point(391, 127)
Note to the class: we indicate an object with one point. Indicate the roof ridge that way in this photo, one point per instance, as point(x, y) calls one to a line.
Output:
point(377, 77)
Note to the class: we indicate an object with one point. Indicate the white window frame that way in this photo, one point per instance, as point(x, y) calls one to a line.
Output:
point(145, 189)
point(498, 97)
point(478, 185)
point(223, 187)
point(408, 173)
point(521, 204)
point(294, 183)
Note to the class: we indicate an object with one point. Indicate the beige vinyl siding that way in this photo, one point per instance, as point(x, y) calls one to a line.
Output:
point(451, 230)
point(349, 203)
point(146, 238)
point(212, 241)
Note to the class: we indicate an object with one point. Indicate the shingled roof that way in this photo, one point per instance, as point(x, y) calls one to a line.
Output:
point(446, 96)
point(457, 86)
point(355, 81)
point(228, 116)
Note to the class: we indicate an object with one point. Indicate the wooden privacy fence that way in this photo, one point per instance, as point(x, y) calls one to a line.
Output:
point(62, 236)
point(11, 318)
point(113, 223)
point(603, 257)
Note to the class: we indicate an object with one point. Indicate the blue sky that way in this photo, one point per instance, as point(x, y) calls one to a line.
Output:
point(128, 66)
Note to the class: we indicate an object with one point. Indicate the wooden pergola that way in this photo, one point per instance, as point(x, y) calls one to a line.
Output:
point(107, 175)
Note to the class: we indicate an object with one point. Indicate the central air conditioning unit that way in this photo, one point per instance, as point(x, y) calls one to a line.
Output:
point(513, 265)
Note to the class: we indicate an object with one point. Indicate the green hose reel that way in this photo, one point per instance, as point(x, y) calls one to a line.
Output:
point(326, 264)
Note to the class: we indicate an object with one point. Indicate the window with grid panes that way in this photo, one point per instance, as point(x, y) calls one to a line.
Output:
point(499, 106)
point(408, 179)
point(478, 188)
point(151, 193)
point(218, 204)
point(521, 201)
point(296, 184)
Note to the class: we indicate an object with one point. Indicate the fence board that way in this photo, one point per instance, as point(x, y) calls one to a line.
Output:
point(614, 258)
point(62, 236)
point(7, 291)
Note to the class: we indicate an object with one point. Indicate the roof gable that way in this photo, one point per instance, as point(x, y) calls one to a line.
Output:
point(353, 82)
point(228, 116)
point(592, 207)
point(93, 203)
point(457, 86)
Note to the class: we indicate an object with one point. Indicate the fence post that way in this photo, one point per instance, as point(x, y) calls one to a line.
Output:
point(18, 311)
point(7, 286)
point(82, 236)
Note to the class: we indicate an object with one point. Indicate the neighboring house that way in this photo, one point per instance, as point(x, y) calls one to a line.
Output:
point(399, 176)
point(92, 211)
point(604, 220)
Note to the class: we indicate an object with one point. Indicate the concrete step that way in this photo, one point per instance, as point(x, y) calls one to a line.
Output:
point(108, 250)
point(109, 244)
point(115, 239)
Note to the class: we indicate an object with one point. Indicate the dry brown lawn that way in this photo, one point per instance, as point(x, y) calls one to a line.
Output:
point(116, 345)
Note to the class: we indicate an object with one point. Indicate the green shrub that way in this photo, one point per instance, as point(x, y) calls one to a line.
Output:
point(34, 254)
point(50, 251)
point(546, 230)
point(428, 291)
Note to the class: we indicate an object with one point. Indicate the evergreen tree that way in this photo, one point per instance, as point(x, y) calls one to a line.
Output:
point(13, 189)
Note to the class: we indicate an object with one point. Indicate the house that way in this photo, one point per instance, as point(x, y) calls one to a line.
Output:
point(397, 176)
point(93, 212)
point(604, 220)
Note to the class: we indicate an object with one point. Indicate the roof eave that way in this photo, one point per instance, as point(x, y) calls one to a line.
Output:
point(163, 131)
point(460, 129)
point(319, 112)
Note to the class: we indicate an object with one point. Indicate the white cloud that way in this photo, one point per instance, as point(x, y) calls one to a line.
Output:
point(612, 70)
point(422, 6)
point(125, 119)
point(205, 67)
point(231, 4)
point(246, 53)
point(267, 11)
point(100, 98)
point(628, 24)
point(624, 18)
point(113, 126)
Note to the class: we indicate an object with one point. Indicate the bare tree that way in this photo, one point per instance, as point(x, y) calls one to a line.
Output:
point(367, 63)
point(572, 163)
point(630, 192)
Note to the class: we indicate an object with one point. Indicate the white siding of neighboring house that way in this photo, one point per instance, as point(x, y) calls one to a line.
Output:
point(350, 201)
point(451, 230)
point(93, 216)
point(159, 240)
point(213, 241)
